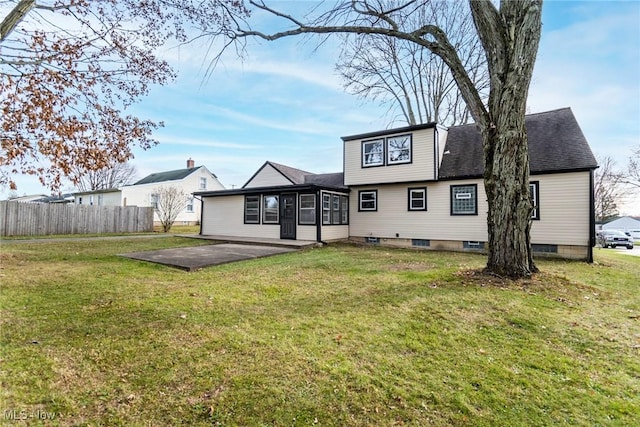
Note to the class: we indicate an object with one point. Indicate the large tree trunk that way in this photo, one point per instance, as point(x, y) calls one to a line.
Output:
point(510, 38)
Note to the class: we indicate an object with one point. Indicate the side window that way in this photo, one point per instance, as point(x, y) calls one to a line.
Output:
point(534, 189)
point(252, 209)
point(418, 199)
point(368, 200)
point(153, 199)
point(464, 199)
point(203, 183)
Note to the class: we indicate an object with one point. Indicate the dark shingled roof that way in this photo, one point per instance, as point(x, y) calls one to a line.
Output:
point(296, 176)
point(326, 179)
point(167, 176)
point(556, 143)
point(299, 177)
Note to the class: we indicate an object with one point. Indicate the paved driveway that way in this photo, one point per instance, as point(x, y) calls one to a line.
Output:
point(635, 251)
point(195, 258)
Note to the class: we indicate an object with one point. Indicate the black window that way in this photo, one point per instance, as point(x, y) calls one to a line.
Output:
point(464, 199)
point(271, 211)
point(373, 153)
point(307, 209)
point(418, 199)
point(534, 189)
point(252, 209)
point(368, 200)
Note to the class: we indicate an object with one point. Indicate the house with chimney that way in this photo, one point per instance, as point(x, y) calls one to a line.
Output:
point(145, 191)
point(417, 186)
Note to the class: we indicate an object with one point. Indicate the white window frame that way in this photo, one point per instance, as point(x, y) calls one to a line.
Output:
point(268, 210)
point(370, 157)
point(305, 207)
point(203, 183)
point(326, 208)
point(392, 151)
point(373, 201)
point(413, 199)
point(189, 207)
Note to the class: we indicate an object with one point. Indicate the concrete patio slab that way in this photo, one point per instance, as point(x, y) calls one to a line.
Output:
point(195, 258)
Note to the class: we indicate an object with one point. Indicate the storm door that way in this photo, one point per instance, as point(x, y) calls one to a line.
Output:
point(288, 216)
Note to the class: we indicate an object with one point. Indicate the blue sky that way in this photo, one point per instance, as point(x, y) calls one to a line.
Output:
point(284, 102)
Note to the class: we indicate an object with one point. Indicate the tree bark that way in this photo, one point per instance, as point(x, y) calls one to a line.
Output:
point(510, 38)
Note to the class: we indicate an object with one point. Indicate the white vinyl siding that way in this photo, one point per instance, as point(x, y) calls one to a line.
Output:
point(422, 166)
point(266, 177)
point(564, 209)
point(393, 217)
point(224, 216)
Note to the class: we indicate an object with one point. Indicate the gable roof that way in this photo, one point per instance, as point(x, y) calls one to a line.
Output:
point(167, 176)
point(296, 176)
point(556, 143)
point(300, 177)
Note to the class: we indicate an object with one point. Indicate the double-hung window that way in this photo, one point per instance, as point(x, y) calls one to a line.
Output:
point(203, 183)
point(368, 200)
point(418, 199)
point(271, 209)
point(326, 208)
point(252, 209)
point(189, 204)
point(464, 199)
point(307, 209)
point(344, 201)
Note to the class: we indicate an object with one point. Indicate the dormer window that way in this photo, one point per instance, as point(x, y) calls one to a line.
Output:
point(373, 153)
point(399, 149)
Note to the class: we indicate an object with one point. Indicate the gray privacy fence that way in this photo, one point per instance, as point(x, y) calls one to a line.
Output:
point(38, 219)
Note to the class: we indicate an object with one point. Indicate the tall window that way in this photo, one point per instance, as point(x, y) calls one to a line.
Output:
point(307, 209)
point(418, 199)
point(344, 201)
point(203, 183)
point(189, 204)
point(271, 209)
point(373, 153)
point(464, 199)
point(399, 149)
point(252, 209)
point(326, 208)
point(368, 200)
point(153, 200)
point(335, 209)
point(534, 189)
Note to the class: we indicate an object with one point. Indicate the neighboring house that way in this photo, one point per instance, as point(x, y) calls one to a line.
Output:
point(418, 186)
point(627, 224)
point(43, 198)
point(144, 192)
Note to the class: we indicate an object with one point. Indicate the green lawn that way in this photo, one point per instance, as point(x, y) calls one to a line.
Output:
point(340, 335)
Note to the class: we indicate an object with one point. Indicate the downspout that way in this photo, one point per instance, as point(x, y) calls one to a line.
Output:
point(201, 212)
point(592, 219)
point(319, 217)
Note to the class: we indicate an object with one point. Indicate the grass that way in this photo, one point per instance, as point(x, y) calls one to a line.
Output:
point(340, 335)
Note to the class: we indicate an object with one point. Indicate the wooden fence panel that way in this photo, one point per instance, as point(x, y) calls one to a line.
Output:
point(40, 219)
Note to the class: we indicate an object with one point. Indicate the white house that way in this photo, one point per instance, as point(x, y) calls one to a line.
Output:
point(417, 186)
point(627, 224)
point(144, 192)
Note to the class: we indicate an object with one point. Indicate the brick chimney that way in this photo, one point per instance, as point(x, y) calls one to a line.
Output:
point(190, 163)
